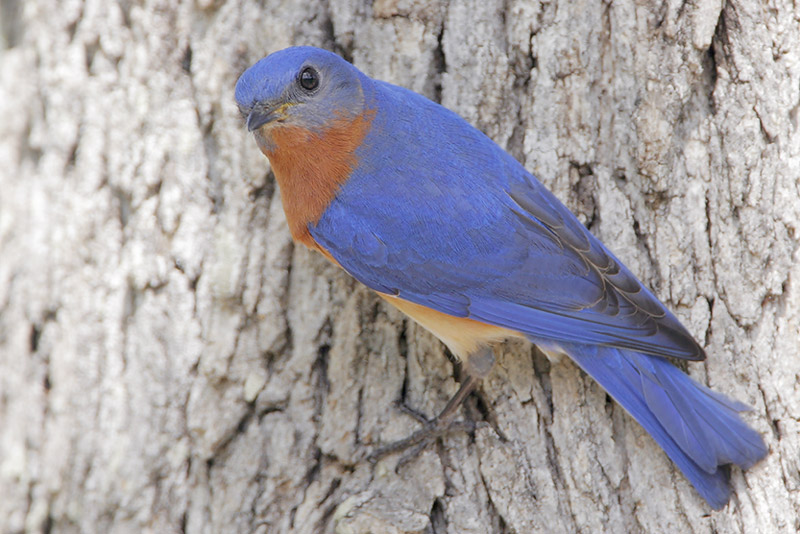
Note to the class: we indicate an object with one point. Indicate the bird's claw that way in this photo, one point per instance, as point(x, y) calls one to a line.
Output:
point(420, 440)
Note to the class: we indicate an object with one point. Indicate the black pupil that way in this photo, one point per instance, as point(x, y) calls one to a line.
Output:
point(309, 79)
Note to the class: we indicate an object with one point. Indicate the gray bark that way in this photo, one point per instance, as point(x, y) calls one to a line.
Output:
point(171, 362)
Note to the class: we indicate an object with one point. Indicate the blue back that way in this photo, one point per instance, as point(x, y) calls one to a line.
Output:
point(436, 213)
point(463, 228)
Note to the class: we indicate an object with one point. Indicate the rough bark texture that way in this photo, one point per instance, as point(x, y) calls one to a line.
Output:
point(170, 362)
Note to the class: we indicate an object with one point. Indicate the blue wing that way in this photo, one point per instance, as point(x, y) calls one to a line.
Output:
point(456, 224)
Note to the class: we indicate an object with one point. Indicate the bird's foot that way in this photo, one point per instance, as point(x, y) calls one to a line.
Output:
point(420, 440)
point(431, 429)
point(434, 429)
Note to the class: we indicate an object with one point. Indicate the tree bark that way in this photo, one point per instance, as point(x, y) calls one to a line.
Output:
point(171, 362)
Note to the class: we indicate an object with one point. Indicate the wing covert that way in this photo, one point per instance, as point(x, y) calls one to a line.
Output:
point(467, 231)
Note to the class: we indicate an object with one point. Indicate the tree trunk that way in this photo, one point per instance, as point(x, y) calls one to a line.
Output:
point(171, 362)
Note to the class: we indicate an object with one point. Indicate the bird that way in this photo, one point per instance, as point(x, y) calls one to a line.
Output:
point(426, 210)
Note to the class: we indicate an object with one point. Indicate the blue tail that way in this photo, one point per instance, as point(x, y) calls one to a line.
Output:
point(699, 429)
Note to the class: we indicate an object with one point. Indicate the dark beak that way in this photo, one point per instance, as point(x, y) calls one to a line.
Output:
point(256, 119)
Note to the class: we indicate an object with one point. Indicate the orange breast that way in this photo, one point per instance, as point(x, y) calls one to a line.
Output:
point(310, 167)
point(462, 336)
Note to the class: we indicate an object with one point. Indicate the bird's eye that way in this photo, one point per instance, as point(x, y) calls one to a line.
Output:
point(309, 79)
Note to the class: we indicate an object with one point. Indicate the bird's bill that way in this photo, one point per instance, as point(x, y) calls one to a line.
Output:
point(259, 117)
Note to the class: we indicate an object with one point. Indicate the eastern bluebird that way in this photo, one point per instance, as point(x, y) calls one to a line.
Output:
point(430, 213)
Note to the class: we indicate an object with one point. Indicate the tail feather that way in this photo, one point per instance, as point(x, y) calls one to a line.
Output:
point(699, 429)
point(717, 416)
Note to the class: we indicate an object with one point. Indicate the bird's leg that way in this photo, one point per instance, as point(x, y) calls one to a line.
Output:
point(434, 428)
point(479, 364)
point(476, 367)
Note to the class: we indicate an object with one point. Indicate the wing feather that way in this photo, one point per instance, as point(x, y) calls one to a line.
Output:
point(466, 230)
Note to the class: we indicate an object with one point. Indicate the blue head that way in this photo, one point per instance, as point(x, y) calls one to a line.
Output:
point(300, 86)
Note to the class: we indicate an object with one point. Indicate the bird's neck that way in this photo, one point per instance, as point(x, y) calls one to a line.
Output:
point(310, 167)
